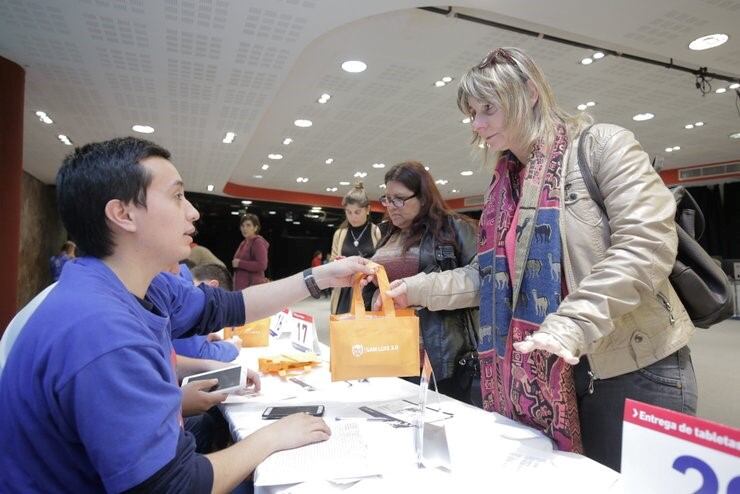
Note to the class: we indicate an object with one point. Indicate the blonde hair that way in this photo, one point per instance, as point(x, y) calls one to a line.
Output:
point(356, 196)
point(501, 80)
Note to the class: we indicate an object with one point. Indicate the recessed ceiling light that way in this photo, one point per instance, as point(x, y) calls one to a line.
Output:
point(302, 122)
point(210, 187)
point(343, 183)
point(378, 165)
point(329, 161)
point(246, 203)
point(426, 168)
point(446, 79)
point(235, 213)
point(440, 83)
point(360, 174)
point(228, 138)
point(736, 135)
point(331, 189)
point(64, 139)
point(302, 180)
point(257, 176)
point(676, 148)
point(581, 107)
point(265, 166)
point(591, 103)
point(482, 145)
point(668, 150)
point(382, 186)
point(354, 66)
point(735, 85)
point(721, 90)
point(455, 191)
point(698, 124)
point(598, 55)
point(586, 61)
point(688, 126)
point(709, 41)
point(144, 129)
point(272, 212)
point(465, 120)
point(466, 173)
point(275, 156)
point(640, 117)
point(43, 117)
point(441, 181)
point(296, 222)
point(324, 98)
point(287, 141)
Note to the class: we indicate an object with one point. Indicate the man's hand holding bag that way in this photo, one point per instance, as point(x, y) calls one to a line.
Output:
point(381, 343)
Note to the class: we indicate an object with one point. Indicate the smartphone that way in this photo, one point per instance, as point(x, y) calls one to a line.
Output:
point(272, 413)
point(229, 378)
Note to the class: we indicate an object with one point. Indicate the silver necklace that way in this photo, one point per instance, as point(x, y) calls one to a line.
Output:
point(357, 238)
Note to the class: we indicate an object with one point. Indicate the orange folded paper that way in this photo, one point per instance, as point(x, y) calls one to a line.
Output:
point(374, 344)
point(255, 333)
point(288, 363)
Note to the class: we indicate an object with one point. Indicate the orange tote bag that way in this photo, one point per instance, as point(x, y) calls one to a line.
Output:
point(374, 344)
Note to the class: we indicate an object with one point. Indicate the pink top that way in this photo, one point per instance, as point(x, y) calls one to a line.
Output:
point(252, 257)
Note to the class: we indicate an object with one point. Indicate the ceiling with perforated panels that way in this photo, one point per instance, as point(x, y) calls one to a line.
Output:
point(197, 69)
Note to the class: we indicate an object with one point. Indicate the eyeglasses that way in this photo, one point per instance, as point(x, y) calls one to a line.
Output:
point(496, 56)
point(397, 202)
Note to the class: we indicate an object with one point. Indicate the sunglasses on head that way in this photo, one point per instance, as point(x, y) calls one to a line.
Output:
point(498, 55)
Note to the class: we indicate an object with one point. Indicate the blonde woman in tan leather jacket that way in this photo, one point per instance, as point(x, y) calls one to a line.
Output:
point(620, 324)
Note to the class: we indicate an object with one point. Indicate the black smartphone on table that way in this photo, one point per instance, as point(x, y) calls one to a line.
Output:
point(273, 413)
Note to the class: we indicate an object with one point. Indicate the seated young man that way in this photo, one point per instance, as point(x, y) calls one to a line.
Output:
point(71, 417)
point(212, 346)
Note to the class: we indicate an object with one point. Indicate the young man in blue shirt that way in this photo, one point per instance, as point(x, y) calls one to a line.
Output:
point(72, 418)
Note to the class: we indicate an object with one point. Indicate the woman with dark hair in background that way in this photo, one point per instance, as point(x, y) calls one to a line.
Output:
point(56, 263)
point(250, 259)
point(426, 236)
point(356, 236)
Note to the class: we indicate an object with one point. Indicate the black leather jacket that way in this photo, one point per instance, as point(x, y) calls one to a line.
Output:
point(448, 334)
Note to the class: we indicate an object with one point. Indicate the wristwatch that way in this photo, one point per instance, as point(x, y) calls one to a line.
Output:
point(310, 282)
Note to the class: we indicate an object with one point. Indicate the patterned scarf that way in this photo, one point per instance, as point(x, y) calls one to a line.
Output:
point(537, 388)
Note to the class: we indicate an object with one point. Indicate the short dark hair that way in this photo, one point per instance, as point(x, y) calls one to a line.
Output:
point(94, 174)
point(206, 272)
point(253, 218)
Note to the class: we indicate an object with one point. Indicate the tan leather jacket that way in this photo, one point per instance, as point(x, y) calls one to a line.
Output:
point(621, 311)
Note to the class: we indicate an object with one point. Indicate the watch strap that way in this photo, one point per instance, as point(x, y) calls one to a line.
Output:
point(310, 281)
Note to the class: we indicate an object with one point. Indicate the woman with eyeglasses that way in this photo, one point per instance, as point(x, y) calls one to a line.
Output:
point(356, 236)
point(576, 309)
point(425, 236)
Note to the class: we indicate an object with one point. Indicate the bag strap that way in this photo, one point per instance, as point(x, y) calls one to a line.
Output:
point(588, 177)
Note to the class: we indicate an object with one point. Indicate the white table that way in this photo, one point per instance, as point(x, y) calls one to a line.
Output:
point(486, 449)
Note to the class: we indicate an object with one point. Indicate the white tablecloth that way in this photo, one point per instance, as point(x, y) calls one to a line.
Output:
point(486, 449)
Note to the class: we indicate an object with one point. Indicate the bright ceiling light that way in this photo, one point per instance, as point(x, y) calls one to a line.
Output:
point(447, 79)
point(676, 148)
point(265, 166)
point(591, 103)
point(426, 168)
point(287, 141)
point(455, 191)
point(721, 90)
point(482, 145)
point(302, 122)
point(331, 189)
point(272, 212)
point(698, 124)
point(586, 61)
point(228, 138)
point(324, 98)
point(440, 83)
point(688, 126)
point(329, 161)
point(378, 165)
point(582, 107)
point(736, 135)
point(465, 120)
point(354, 66)
point(246, 203)
point(598, 55)
point(382, 186)
point(43, 117)
point(301, 180)
point(668, 150)
point(144, 129)
point(466, 173)
point(708, 41)
point(641, 117)
point(210, 187)
point(275, 156)
point(735, 85)
point(257, 176)
point(441, 181)
point(64, 139)
point(235, 213)
point(343, 183)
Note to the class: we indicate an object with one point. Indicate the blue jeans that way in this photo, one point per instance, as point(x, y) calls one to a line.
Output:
point(668, 383)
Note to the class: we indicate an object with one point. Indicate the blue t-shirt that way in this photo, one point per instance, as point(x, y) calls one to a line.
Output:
point(88, 397)
point(56, 263)
point(199, 347)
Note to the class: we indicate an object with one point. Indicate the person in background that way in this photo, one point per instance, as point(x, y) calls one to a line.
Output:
point(427, 236)
point(356, 236)
point(317, 259)
point(114, 313)
point(576, 309)
point(250, 259)
point(56, 263)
